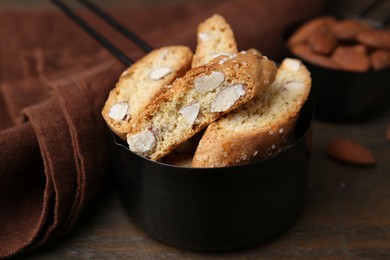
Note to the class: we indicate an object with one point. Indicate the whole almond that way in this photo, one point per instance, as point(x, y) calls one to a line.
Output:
point(350, 152)
point(304, 52)
point(380, 59)
point(352, 58)
point(349, 28)
point(378, 38)
point(322, 42)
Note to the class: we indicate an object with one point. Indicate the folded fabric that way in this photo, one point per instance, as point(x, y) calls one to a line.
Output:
point(54, 144)
point(55, 173)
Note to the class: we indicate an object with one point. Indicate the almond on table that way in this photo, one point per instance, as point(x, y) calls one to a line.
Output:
point(215, 37)
point(350, 152)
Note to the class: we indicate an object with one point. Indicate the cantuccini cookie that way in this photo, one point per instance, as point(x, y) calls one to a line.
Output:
point(261, 127)
point(141, 82)
point(215, 37)
point(201, 96)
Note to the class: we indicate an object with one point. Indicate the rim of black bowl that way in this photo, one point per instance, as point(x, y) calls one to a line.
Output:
point(308, 108)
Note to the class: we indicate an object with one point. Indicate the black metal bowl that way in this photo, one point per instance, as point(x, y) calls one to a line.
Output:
point(213, 209)
point(341, 95)
point(349, 96)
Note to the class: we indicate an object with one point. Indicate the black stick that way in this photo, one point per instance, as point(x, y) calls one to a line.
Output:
point(98, 37)
point(118, 26)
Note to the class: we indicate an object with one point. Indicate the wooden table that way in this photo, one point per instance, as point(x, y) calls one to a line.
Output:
point(346, 215)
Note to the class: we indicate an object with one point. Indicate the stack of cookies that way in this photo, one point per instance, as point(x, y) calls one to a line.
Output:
point(216, 107)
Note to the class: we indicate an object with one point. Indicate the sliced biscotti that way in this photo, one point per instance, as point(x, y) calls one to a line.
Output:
point(182, 155)
point(141, 82)
point(259, 128)
point(201, 96)
point(215, 37)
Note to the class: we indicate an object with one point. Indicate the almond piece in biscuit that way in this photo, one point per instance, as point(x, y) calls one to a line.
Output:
point(190, 113)
point(351, 58)
point(304, 31)
point(159, 73)
point(349, 152)
point(227, 97)
point(377, 38)
point(380, 59)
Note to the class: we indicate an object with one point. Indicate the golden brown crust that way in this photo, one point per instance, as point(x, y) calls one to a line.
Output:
point(350, 152)
point(221, 148)
point(141, 82)
point(259, 128)
point(215, 37)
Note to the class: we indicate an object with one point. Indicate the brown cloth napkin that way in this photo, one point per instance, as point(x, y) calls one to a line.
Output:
point(54, 144)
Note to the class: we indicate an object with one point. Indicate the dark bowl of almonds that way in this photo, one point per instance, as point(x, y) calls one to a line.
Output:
point(349, 60)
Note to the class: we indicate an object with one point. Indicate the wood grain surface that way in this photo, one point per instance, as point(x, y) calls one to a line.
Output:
point(346, 215)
